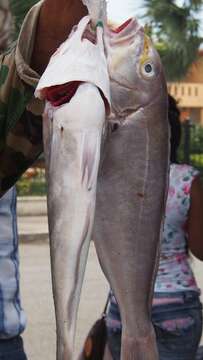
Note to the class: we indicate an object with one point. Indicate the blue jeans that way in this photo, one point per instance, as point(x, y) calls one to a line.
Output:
point(12, 316)
point(12, 349)
point(178, 327)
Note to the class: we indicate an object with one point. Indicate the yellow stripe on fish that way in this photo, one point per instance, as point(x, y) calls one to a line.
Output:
point(145, 56)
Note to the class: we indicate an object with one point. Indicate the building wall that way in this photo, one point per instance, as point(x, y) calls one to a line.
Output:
point(189, 92)
point(195, 73)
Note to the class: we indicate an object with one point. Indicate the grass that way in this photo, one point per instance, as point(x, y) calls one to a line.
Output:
point(197, 160)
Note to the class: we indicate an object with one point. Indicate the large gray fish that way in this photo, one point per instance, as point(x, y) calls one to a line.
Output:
point(132, 184)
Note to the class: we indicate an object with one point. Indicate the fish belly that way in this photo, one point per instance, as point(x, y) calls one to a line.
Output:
point(72, 137)
point(129, 212)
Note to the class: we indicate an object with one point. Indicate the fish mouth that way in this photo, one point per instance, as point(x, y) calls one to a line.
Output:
point(125, 39)
point(124, 36)
point(122, 26)
point(130, 27)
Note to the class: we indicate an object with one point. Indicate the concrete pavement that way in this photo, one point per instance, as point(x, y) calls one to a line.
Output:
point(40, 335)
point(32, 228)
point(36, 291)
point(32, 218)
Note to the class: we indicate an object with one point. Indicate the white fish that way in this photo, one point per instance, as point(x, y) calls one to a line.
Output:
point(73, 122)
point(72, 144)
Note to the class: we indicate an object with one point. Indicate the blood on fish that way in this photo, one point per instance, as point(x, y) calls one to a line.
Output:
point(61, 94)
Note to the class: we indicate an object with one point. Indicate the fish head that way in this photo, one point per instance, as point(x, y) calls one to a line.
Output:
point(136, 73)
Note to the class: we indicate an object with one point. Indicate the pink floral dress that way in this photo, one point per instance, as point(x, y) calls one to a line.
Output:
point(175, 273)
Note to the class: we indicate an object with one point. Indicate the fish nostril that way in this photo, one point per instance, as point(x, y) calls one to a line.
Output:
point(62, 129)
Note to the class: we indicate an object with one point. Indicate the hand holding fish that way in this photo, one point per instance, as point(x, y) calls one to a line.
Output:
point(56, 21)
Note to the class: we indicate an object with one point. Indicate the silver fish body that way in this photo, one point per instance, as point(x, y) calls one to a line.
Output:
point(77, 99)
point(72, 138)
point(132, 187)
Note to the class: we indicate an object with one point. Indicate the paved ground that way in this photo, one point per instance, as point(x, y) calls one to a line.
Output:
point(37, 297)
point(37, 300)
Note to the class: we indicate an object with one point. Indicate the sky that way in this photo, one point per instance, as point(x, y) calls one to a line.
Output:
point(121, 10)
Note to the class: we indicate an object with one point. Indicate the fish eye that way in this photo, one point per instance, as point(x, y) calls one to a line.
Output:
point(147, 70)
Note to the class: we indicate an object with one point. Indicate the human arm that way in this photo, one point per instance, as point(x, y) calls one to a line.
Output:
point(20, 120)
point(55, 23)
point(20, 123)
point(45, 27)
point(195, 219)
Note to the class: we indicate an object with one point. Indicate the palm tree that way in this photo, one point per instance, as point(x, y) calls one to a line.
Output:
point(175, 30)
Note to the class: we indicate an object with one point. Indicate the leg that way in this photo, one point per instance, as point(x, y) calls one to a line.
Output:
point(199, 355)
point(114, 331)
point(178, 328)
point(107, 354)
point(12, 317)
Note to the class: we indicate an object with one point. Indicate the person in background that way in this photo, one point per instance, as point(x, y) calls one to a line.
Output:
point(176, 309)
point(12, 316)
point(45, 27)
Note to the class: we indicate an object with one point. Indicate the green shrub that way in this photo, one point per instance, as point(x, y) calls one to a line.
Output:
point(195, 150)
point(32, 186)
